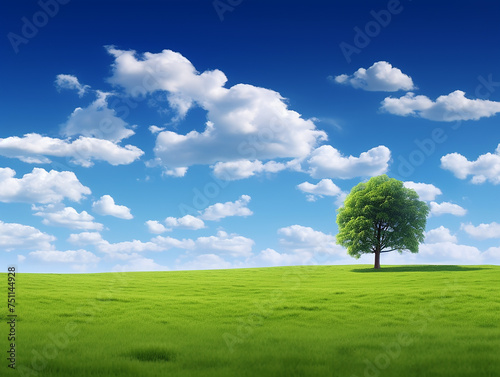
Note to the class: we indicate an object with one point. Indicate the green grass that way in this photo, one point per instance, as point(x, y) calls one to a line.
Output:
point(412, 321)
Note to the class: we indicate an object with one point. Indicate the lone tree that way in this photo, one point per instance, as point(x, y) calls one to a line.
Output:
point(379, 216)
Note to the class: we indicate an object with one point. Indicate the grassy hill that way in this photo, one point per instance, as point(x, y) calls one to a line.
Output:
point(411, 321)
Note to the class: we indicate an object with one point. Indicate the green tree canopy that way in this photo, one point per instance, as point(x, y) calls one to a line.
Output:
point(381, 215)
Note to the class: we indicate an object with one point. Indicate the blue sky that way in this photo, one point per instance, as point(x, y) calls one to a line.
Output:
point(164, 135)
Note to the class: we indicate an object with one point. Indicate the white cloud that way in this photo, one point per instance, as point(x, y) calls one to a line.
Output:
point(34, 148)
point(128, 247)
point(176, 172)
point(492, 255)
point(156, 129)
point(426, 191)
point(325, 187)
point(440, 234)
point(186, 222)
point(17, 236)
point(69, 256)
point(205, 262)
point(328, 162)
point(438, 209)
point(300, 238)
point(271, 256)
point(97, 121)
point(244, 121)
point(155, 227)
point(449, 253)
point(40, 186)
point(68, 217)
point(139, 264)
point(381, 76)
point(232, 244)
point(485, 168)
point(482, 231)
point(71, 82)
point(106, 206)
point(169, 243)
point(220, 210)
point(241, 169)
point(447, 108)
point(339, 202)
point(167, 71)
point(20, 258)
point(221, 244)
point(85, 238)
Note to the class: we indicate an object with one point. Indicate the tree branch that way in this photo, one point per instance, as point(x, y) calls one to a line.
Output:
point(386, 251)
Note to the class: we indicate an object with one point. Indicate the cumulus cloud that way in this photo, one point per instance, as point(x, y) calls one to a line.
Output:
point(241, 169)
point(155, 227)
point(155, 129)
point(15, 236)
point(205, 262)
point(186, 222)
point(244, 121)
point(85, 238)
point(71, 82)
point(426, 191)
point(166, 71)
point(221, 210)
point(128, 249)
point(325, 187)
point(67, 217)
point(40, 186)
point(106, 206)
point(176, 172)
point(298, 239)
point(440, 234)
point(492, 255)
point(328, 162)
point(221, 244)
point(139, 263)
point(35, 148)
point(232, 244)
point(169, 243)
point(68, 256)
point(438, 209)
point(97, 121)
point(447, 108)
point(449, 253)
point(485, 168)
point(271, 256)
point(381, 76)
point(482, 231)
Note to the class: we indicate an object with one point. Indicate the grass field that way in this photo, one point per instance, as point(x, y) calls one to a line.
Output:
point(349, 321)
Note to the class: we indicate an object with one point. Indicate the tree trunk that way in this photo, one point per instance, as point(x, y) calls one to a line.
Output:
point(378, 246)
point(377, 259)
